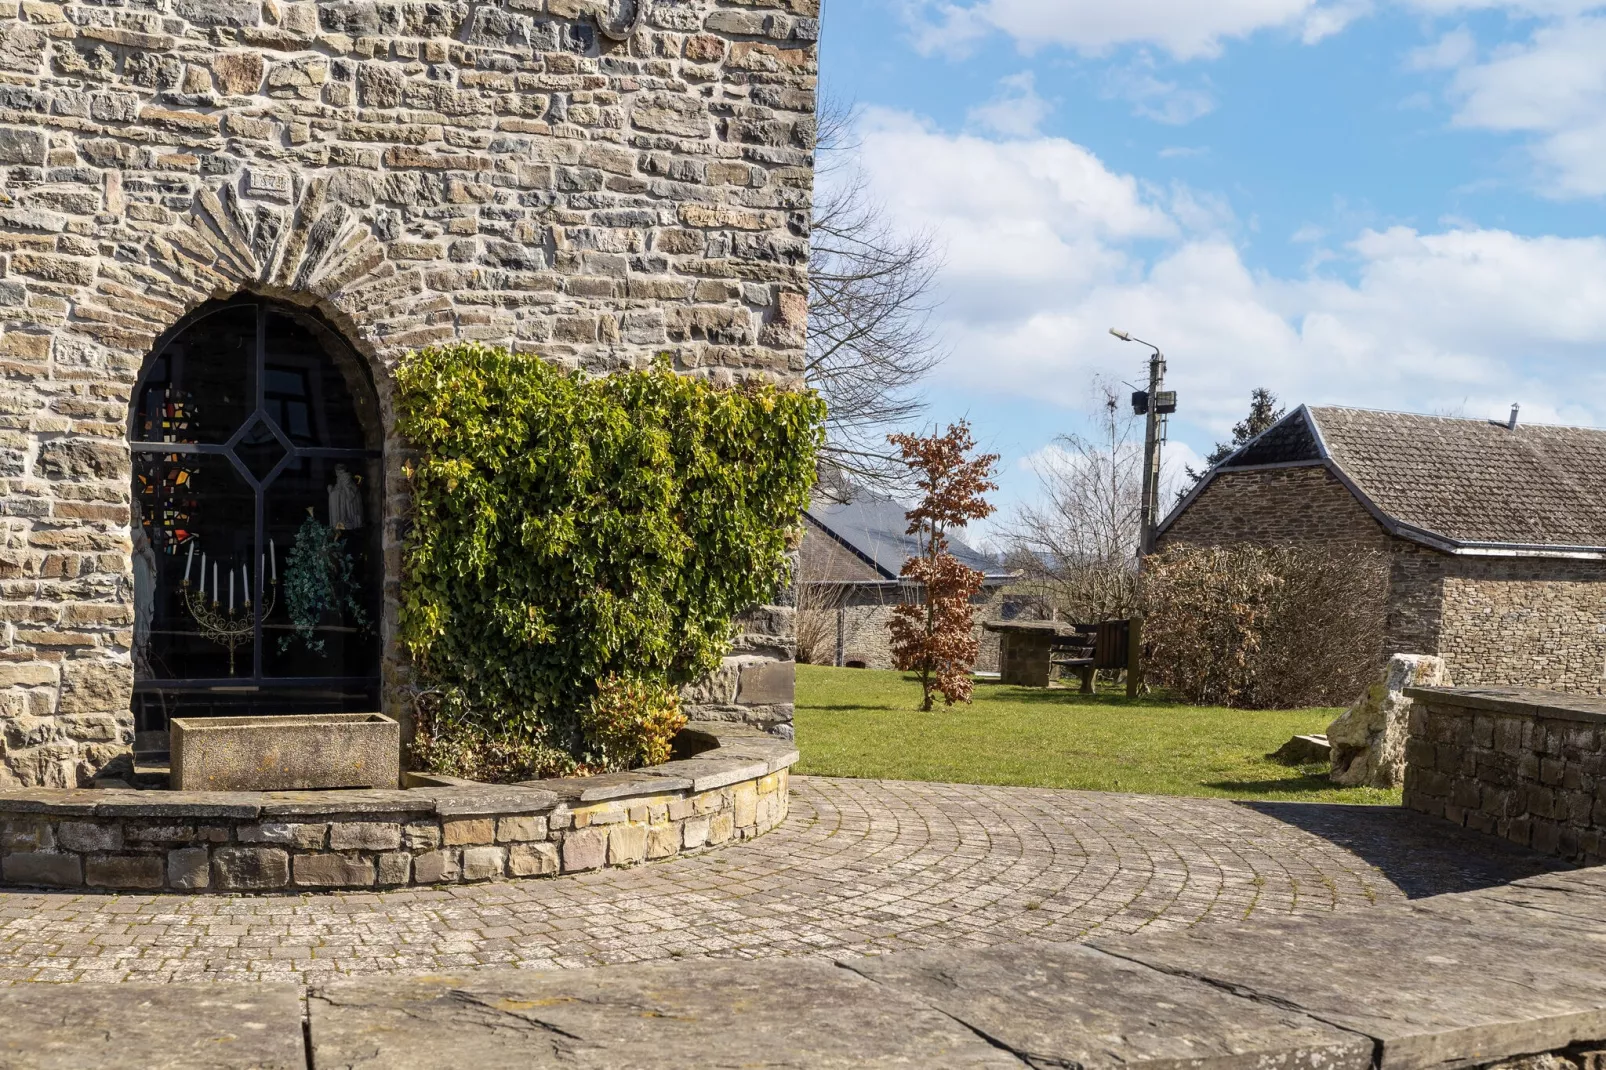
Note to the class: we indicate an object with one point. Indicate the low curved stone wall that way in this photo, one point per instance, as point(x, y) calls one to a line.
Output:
point(443, 831)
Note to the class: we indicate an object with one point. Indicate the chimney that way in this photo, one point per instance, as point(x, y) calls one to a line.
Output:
point(1511, 424)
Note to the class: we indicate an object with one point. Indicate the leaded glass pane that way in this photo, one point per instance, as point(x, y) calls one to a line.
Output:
point(202, 386)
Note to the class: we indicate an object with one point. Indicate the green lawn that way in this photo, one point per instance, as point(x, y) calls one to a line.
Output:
point(862, 723)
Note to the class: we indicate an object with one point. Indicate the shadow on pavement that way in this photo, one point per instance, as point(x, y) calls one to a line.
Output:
point(1420, 855)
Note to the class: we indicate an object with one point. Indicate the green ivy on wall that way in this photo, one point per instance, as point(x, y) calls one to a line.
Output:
point(569, 529)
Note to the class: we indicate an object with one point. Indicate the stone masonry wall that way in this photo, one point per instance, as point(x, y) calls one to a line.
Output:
point(1526, 765)
point(447, 833)
point(417, 172)
point(1530, 622)
point(1277, 506)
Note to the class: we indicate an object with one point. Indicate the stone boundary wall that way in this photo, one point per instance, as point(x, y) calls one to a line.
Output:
point(1526, 765)
point(443, 832)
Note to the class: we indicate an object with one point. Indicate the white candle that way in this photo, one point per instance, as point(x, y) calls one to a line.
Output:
point(245, 582)
point(231, 590)
point(214, 583)
point(273, 560)
point(190, 560)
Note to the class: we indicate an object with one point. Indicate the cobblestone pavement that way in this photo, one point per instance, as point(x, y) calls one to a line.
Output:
point(860, 866)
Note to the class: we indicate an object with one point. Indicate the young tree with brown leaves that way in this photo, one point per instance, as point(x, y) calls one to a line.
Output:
point(935, 637)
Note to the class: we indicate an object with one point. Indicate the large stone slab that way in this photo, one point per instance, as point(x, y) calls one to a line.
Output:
point(1056, 1005)
point(152, 1027)
point(696, 1015)
point(1434, 991)
point(1546, 906)
point(303, 752)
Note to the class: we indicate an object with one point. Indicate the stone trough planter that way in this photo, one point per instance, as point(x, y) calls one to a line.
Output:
point(436, 831)
point(301, 753)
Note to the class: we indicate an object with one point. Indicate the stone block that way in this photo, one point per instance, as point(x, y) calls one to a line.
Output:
point(27, 833)
point(123, 871)
point(422, 836)
point(308, 837)
point(520, 829)
point(627, 845)
point(333, 871)
point(585, 849)
point(694, 833)
point(286, 753)
point(435, 867)
point(134, 832)
point(190, 868)
point(250, 869)
point(43, 868)
point(532, 859)
point(364, 836)
point(744, 798)
point(721, 827)
point(484, 863)
point(769, 683)
point(460, 831)
point(87, 836)
point(395, 868)
point(663, 840)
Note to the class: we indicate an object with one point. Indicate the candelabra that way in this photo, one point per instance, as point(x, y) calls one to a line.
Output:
point(224, 626)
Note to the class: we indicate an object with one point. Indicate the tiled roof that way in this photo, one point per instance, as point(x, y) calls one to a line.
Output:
point(875, 528)
point(1466, 481)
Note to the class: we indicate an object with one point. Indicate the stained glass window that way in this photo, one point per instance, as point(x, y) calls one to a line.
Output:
point(258, 563)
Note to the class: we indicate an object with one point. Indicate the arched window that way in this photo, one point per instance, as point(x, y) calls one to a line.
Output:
point(257, 509)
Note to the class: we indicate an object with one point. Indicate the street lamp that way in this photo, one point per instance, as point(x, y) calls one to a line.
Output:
point(1154, 404)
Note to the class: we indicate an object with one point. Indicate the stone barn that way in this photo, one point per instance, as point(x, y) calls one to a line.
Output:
point(849, 583)
point(223, 222)
point(1495, 532)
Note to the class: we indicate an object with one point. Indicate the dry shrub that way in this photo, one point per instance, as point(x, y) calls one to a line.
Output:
point(1264, 628)
point(631, 723)
point(818, 605)
point(450, 738)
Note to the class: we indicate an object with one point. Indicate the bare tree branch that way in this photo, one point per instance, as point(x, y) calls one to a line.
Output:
point(870, 302)
point(1078, 548)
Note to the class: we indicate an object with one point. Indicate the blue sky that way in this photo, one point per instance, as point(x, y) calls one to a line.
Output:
point(1390, 203)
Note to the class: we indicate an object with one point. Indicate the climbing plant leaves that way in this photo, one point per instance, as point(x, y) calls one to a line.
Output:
point(568, 529)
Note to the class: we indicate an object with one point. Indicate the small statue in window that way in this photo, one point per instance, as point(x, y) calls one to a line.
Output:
point(345, 502)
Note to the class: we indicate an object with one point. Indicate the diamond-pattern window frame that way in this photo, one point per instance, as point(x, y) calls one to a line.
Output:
point(256, 679)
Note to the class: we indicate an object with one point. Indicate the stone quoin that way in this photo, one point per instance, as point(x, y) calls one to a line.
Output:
point(598, 183)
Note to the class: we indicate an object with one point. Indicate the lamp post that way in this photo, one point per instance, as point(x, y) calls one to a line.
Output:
point(1154, 405)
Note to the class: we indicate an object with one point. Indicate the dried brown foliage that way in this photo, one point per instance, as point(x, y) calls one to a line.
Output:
point(1264, 628)
point(934, 638)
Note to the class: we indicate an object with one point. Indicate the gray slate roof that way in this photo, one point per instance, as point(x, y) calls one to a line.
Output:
point(1449, 482)
point(874, 528)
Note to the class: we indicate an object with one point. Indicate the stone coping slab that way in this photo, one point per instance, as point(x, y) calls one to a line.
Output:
point(443, 830)
point(1432, 987)
point(1521, 701)
point(152, 1027)
point(1060, 1006)
point(766, 1013)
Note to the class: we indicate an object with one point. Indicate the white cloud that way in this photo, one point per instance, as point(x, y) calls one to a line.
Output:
point(1015, 110)
point(1187, 29)
point(1453, 50)
point(1551, 86)
point(1155, 98)
point(1048, 248)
